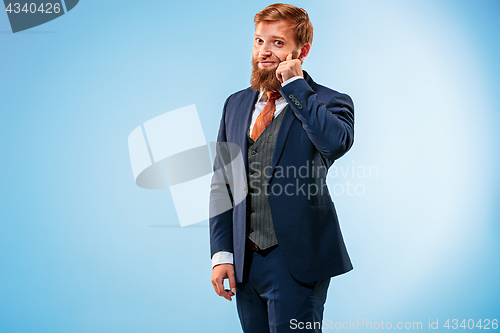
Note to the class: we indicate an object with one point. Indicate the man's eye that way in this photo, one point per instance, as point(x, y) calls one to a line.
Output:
point(258, 40)
point(278, 42)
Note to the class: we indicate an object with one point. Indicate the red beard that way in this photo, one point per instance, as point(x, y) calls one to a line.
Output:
point(264, 79)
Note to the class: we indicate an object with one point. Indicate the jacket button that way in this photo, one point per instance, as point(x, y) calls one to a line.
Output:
point(253, 152)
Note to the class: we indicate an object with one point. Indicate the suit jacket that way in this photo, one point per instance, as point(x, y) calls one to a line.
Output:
point(317, 129)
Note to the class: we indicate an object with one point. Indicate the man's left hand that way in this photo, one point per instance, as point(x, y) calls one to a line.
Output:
point(289, 68)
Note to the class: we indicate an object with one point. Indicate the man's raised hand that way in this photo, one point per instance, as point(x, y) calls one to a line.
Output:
point(289, 68)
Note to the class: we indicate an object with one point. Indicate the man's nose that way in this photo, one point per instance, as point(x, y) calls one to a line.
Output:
point(265, 51)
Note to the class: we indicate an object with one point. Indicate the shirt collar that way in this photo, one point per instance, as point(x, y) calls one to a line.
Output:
point(263, 97)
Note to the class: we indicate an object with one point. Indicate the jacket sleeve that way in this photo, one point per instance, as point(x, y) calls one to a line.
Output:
point(221, 211)
point(330, 124)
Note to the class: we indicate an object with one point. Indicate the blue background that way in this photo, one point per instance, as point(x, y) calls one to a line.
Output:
point(78, 252)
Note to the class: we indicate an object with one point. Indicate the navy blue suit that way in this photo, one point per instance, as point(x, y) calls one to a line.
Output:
point(306, 225)
point(317, 128)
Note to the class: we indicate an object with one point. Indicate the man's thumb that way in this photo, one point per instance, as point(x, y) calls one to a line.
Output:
point(232, 283)
point(289, 57)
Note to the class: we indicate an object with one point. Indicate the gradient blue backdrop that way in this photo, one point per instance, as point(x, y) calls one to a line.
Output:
point(78, 252)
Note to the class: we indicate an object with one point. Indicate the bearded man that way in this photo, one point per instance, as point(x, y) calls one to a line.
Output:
point(282, 243)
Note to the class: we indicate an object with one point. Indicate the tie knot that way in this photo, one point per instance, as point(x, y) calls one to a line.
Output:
point(273, 95)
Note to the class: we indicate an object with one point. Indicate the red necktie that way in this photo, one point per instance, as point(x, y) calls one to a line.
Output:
point(266, 116)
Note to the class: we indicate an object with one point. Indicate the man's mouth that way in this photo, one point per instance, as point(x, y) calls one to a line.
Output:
point(266, 63)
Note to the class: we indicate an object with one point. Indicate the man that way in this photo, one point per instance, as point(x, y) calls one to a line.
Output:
point(282, 243)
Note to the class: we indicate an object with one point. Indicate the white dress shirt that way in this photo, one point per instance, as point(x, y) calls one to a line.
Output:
point(226, 257)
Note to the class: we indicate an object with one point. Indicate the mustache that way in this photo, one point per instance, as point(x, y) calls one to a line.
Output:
point(273, 59)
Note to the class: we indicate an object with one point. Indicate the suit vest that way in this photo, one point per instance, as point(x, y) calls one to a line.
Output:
point(260, 229)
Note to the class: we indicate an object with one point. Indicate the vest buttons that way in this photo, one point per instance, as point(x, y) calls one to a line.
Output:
point(253, 152)
point(251, 172)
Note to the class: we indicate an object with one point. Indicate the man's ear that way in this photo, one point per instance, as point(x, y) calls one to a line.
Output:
point(304, 51)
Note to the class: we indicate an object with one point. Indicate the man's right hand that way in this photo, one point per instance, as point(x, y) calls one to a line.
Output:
point(219, 274)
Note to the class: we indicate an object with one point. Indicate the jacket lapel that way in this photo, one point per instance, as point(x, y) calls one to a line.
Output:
point(248, 104)
point(286, 124)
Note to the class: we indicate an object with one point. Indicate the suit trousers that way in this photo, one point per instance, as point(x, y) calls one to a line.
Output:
point(270, 300)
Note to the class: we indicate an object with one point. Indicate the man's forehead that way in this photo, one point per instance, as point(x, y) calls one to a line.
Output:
point(279, 29)
point(272, 36)
point(280, 24)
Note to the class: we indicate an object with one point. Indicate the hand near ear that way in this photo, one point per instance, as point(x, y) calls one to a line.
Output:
point(289, 68)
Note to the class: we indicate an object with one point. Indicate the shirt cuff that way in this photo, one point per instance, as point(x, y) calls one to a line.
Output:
point(222, 257)
point(290, 80)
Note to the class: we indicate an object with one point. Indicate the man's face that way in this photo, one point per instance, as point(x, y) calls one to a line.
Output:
point(273, 42)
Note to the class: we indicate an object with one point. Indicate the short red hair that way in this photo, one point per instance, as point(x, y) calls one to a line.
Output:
point(297, 16)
